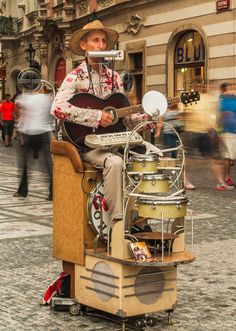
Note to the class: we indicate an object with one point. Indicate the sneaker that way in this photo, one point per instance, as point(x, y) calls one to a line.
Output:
point(189, 186)
point(229, 182)
point(19, 195)
point(224, 187)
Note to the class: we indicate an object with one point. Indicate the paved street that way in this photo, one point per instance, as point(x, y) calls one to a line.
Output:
point(206, 288)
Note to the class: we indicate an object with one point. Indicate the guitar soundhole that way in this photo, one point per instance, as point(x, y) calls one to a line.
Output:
point(113, 113)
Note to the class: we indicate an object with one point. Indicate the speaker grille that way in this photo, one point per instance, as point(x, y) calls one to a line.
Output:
point(103, 281)
point(149, 285)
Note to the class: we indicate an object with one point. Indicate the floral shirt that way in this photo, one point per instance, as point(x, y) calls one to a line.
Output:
point(78, 81)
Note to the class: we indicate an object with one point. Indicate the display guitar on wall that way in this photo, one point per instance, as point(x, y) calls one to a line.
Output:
point(118, 105)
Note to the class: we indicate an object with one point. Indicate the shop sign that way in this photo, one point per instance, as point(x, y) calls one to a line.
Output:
point(222, 5)
point(187, 54)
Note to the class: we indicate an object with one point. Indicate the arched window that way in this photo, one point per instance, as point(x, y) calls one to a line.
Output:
point(189, 62)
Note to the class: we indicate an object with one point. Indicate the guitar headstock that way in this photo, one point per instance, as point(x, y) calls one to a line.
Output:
point(190, 97)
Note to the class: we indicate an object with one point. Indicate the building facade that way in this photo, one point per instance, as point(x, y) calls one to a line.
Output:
point(169, 46)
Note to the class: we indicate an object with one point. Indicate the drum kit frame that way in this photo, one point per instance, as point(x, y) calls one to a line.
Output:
point(157, 203)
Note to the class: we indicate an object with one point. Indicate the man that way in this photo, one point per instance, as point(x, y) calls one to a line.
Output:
point(36, 126)
point(93, 77)
point(7, 118)
point(227, 123)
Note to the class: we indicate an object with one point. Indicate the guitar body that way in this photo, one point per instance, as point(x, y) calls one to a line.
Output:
point(77, 133)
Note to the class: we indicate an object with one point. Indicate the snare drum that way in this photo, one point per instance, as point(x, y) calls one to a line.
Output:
point(94, 215)
point(144, 163)
point(170, 207)
point(154, 183)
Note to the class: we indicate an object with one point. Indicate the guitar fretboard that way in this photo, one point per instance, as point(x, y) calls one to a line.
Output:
point(122, 112)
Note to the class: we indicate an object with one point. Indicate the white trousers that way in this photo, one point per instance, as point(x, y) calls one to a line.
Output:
point(112, 166)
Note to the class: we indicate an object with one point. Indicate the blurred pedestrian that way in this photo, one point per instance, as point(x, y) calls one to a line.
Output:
point(227, 124)
point(7, 116)
point(35, 123)
point(1, 126)
point(200, 135)
point(171, 117)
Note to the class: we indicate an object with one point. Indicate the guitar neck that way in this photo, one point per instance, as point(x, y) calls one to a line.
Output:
point(122, 112)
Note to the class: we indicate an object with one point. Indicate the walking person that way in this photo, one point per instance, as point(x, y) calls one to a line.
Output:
point(35, 123)
point(7, 116)
point(172, 117)
point(227, 126)
point(200, 135)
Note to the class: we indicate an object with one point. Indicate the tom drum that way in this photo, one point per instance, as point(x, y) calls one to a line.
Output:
point(153, 183)
point(168, 162)
point(144, 163)
point(169, 207)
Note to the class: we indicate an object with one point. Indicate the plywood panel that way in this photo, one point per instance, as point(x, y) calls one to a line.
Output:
point(71, 231)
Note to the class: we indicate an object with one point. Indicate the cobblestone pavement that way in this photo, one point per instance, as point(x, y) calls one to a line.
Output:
point(206, 287)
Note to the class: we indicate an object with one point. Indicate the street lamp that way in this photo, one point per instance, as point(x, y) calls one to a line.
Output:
point(30, 52)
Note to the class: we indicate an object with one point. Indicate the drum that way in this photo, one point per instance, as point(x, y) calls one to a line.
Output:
point(144, 163)
point(168, 162)
point(154, 183)
point(170, 207)
point(94, 214)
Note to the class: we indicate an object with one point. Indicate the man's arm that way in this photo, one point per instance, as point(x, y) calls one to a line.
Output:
point(63, 110)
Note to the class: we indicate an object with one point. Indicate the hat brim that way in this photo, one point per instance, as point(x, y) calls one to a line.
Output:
point(112, 37)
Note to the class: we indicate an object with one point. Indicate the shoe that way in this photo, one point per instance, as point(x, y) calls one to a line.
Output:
point(224, 187)
point(19, 195)
point(229, 182)
point(189, 186)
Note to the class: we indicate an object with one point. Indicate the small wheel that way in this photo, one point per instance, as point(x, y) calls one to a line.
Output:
point(150, 321)
point(75, 309)
point(139, 324)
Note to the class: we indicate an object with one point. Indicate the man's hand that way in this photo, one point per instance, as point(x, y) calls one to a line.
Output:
point(106, 119)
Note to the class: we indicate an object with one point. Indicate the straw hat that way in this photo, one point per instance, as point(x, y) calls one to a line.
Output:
point(112, 36)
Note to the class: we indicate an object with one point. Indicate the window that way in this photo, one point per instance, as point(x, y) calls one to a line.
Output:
point(189, 62)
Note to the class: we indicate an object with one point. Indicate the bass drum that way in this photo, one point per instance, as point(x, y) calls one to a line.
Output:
point(94, 215)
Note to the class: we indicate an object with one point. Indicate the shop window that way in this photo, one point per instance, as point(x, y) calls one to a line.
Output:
point(136, 61)
point(189, 62)
point(135, 65)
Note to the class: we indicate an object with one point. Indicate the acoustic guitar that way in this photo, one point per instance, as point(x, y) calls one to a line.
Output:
point(118, 105)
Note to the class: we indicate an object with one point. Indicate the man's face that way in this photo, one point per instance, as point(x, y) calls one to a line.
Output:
point(95, 41)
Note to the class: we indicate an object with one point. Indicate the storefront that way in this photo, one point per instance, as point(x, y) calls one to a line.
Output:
point(169, 46)
point(189, 62)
